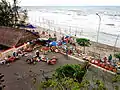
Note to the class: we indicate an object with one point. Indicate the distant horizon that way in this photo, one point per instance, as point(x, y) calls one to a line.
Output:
point(79, 6)
point(68, 2)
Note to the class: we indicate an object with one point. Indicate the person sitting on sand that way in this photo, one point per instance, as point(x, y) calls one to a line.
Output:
point(52, 61)
point(56, 50)
point(105, 59)
point(34, 59)
point(43, 58)
point(54, 57)
point(20, 52)
point(2, 61)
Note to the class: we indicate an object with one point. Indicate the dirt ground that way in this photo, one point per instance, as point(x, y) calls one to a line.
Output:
point(19, 75)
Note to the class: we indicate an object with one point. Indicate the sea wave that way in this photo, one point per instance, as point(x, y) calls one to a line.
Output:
point(82, 18)
point(110, 24)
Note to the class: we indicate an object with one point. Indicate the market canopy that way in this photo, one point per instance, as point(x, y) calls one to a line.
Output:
point(67, 36)
point(42, 38)
point(30, 26)
point(26, 26)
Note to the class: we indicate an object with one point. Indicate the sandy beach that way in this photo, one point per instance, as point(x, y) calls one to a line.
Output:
point(94, 49)
point(21, 78)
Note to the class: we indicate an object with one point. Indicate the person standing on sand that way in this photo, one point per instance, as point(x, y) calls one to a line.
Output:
point(15, 53)
point(110, 58)
point(55, 35)
point(37, 53)
point(43, 33)
point(50, 36)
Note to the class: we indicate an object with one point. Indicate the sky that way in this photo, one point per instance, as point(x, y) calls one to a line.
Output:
point(69, 2)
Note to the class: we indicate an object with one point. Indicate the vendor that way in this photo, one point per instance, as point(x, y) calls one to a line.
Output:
point(37, 53)
point(43, 33)
point(54, 57)
point(54, 34)
point(110, 58)
point(105, 59)
point(15, 54)
point(43, 57)
point(56, 50)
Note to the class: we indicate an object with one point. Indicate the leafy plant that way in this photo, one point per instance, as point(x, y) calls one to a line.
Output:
point(100, 85)
point(9, 15)
point(65, 83)
point(83, 42)
point(116, 78)
point(116, 88)
point(72, 71)
point(6, 14)
point(68, 76)
point(65, 78)
point(117, 55)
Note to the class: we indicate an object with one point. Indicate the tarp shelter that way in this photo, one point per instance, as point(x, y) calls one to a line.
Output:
point(42, 39)
point(67, 36)
point(54, 43)
point(26, 26)
point(30, 26)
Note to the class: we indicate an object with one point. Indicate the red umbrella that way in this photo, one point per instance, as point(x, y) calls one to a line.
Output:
point(93, 61)
point(111, 68)
point(107, 67)
point(114, 70)
point(96, 62)
point(45, 48)
point(99, 64)
point(102, 65)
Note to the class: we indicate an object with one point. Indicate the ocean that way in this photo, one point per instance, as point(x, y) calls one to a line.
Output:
point(79, 20)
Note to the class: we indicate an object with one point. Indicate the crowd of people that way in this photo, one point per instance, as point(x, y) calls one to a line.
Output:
point(41, 57)
point(66, 45)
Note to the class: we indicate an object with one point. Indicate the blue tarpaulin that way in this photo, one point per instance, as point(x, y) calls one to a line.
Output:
point(26, 26)
point(30, 26)
point(67, 36)
point(54, 43)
